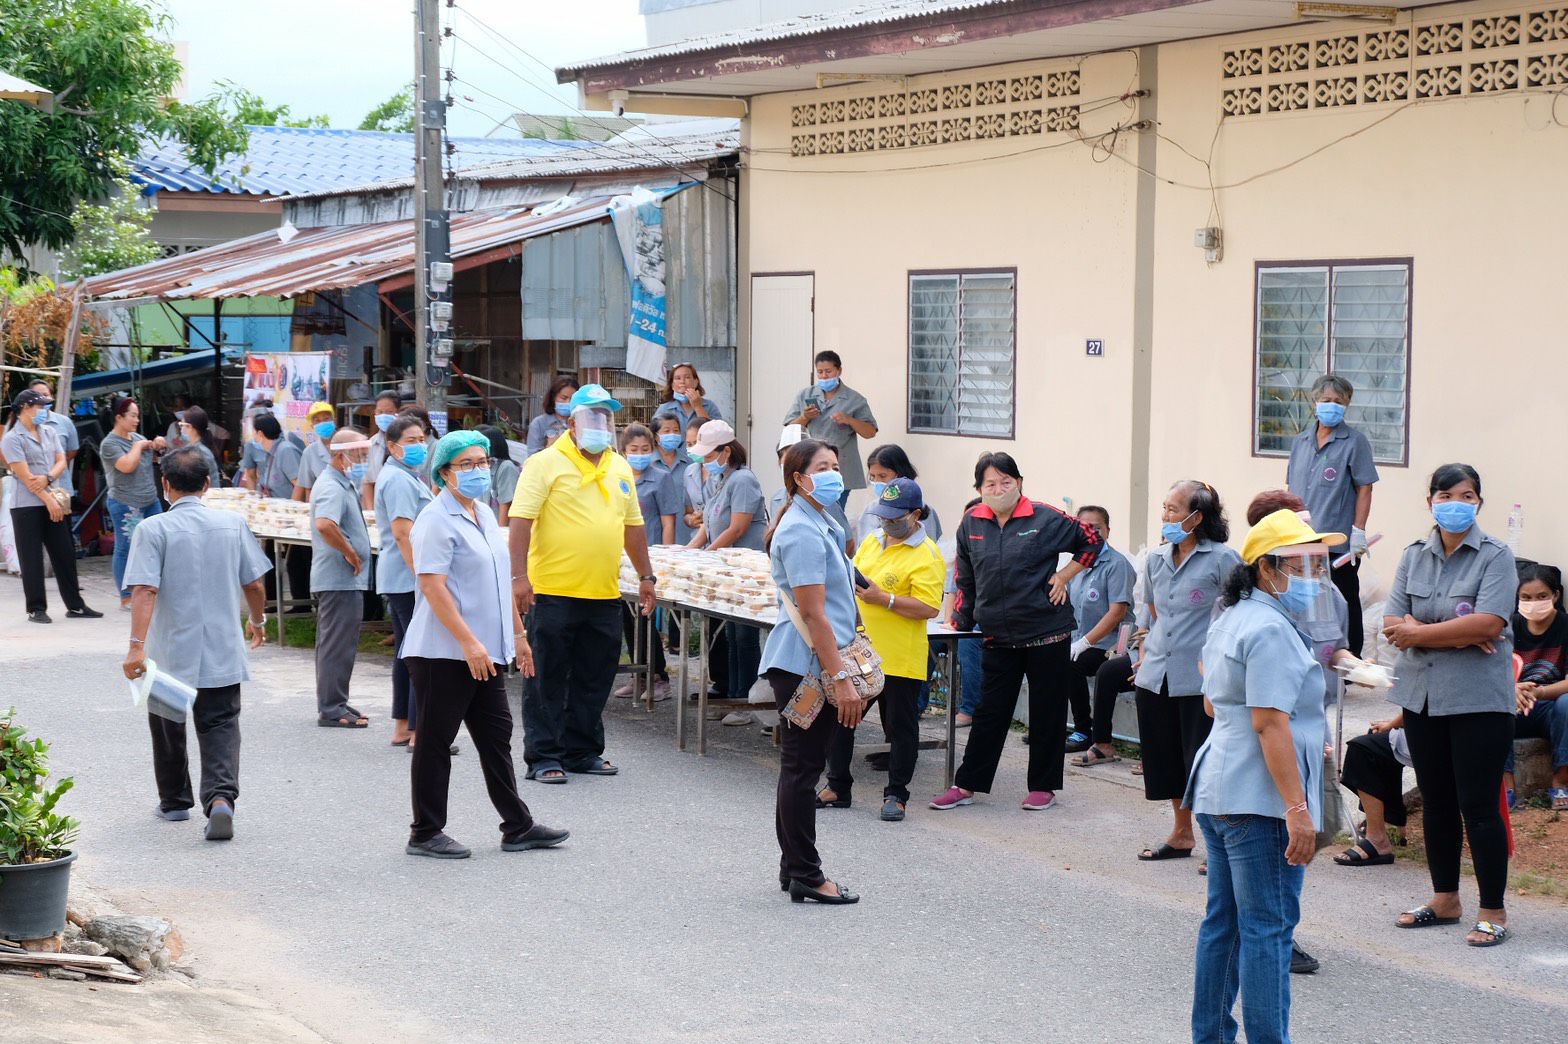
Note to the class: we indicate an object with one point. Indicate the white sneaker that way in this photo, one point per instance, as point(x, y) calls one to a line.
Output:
point(661, 690)
point(737, 718)
point(625, 690)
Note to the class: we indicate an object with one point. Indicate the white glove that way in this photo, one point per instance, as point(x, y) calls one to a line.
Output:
point(1358, 541)
point(1080, 647)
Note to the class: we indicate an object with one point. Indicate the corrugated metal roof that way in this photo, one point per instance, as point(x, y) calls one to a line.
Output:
point(879, 13)
point(689, 144)
point(283, 161)
point(328, 258)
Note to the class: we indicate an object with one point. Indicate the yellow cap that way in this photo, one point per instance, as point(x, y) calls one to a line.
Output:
point(1283, 528)
point(318, 407)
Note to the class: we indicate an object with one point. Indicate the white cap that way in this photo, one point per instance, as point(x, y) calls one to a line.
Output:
point(791, 434)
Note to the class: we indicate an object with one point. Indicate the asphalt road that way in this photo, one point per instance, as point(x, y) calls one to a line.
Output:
point(661, 920)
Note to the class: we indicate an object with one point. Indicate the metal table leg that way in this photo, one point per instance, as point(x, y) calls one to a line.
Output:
point(682, 621)
point(702, 685)
point(952, 715)
point(645, 625)
point(279, 555)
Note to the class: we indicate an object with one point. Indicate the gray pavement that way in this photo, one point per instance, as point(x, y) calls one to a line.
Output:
point(661, 920)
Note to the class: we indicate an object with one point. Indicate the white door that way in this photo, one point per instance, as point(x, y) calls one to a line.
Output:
point(783, 340)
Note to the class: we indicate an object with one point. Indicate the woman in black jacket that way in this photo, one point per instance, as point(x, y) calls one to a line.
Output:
point(1009, 587)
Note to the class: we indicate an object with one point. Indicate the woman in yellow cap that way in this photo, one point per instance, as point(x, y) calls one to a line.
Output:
point(1256, 786)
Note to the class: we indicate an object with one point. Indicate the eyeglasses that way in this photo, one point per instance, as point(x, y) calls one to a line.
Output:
point(465, 466)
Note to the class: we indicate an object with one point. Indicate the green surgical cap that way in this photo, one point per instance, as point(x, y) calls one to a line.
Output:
point(451, 444)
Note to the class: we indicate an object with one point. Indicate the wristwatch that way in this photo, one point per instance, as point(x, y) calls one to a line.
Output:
point(649, 579)
point(262, 623)
point(840, 676)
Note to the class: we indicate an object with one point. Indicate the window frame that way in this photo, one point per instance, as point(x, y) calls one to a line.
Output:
point(909, 296)
point(1331, 264)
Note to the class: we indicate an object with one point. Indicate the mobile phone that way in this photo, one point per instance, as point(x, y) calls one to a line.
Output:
point(860, 578)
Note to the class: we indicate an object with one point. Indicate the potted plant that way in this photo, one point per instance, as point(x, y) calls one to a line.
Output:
point(35, 841)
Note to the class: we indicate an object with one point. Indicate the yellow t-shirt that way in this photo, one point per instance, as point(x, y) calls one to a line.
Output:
point(915, 571)
point(580, 513)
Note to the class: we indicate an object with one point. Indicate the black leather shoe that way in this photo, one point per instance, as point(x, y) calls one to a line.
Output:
point(39, 617)
point(536, 836)
point(84, 613)
point(1302, 962)
point(783, 881)
point(438, 847)
point(799, 893)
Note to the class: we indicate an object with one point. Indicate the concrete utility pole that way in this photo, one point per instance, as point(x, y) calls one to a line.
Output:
point(433, 234)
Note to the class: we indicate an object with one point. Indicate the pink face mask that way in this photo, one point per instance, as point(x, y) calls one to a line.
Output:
point(1536, 610)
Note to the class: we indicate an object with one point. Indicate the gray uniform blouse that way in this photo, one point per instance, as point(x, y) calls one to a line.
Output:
point(739, 492)
point(1327, 479)
point(312, 463)
point(198, 559)
point(471, 553)
point(1479, 577)
point(543, 430)
point(1255, 657)
point(1185, 599)
point(399, 494)
point(1096, 589)
point(138, 489)
point(39, 452)
point(334, 497)
point(808, 550)
point(845, 400)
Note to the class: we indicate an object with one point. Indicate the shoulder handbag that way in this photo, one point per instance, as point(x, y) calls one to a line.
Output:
point(862, 661)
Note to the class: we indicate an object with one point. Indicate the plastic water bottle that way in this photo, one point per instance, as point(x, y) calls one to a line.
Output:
point(1516, 528)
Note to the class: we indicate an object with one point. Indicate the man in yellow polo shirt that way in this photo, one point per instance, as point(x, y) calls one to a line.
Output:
point(574, 510)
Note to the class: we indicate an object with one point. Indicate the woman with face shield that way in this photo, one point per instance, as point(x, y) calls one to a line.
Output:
point(1256, 785)
point(899, 584)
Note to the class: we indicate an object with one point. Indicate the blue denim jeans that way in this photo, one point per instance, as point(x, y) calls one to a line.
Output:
point(969, 675)
point(1547, 720)
point(1244, 941)
point(123, 519)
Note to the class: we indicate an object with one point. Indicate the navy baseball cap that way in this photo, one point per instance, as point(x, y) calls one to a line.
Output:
point(899, 498)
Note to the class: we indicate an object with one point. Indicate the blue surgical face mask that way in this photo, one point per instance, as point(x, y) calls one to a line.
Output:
point(826, 487)
point(415, 456)
point(563, 409)
point(1299, 594)
point(474, 484)
point(594, 441)
point(681, 397)
point(671, 442)
point(1175, 532)
point(828, 385)
point(713, 467)
point(42, 415)
point(694, 456)
point(356, 472)
point(639, 461)
point(325, 430)
point(384, 420)
point(1329, 414)
point(1454, 516)
point(876, 490)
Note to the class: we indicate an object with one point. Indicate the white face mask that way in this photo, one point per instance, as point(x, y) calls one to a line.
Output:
point(1536, 609)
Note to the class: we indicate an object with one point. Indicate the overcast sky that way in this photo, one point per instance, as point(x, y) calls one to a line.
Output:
point(343, 57)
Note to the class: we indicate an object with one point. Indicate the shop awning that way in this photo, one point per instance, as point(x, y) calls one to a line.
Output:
point(335, 258)
point(174, 368)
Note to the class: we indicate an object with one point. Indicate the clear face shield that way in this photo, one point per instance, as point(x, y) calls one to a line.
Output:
point(1300, 580)
point(594, 428)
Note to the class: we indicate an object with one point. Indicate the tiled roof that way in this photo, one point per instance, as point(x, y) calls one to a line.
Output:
point(284, 161)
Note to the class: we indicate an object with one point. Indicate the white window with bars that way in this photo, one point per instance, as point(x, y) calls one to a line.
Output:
point(1351, 319)
point(962, 353)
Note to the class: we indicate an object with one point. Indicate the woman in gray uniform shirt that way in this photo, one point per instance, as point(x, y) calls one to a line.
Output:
point(1185, 577)
point(1448, 613)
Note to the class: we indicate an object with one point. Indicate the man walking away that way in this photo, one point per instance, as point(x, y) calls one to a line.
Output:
point(187, 570)
point(339, 576)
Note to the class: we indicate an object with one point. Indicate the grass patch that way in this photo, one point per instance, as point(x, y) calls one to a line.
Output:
point(301, 632)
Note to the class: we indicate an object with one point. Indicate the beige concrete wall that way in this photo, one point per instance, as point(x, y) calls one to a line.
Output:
point(1062, 220)
point(1470, 188)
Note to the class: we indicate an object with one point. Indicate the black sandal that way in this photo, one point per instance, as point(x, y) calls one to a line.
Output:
point(1164, 851)
point(1496, 934)
point(1425, 917)
point(1353, 856)
point(1094, 756)
point(838, 800)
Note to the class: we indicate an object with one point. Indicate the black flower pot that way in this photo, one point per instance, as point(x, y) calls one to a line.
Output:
point(32, 898)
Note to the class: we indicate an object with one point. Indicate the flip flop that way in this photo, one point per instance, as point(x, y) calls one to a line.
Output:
point(547, 774)
point(1164, 851)
point(1426, 917)
point(1559, 796)
point(1353, 856)
point(345, 722)
point(400, 743)
point(596, 767)
point(1496, 933)
point(1093, 756)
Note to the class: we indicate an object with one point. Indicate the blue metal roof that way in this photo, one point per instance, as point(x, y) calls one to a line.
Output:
point(283, 161)
point(159, 370)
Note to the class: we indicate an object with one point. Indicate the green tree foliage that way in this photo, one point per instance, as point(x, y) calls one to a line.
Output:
point(394, 114)
point(113, 75)
point(252, 110)
point(111, 235)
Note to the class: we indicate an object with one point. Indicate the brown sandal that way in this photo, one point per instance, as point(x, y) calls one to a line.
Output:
point(1094, 756)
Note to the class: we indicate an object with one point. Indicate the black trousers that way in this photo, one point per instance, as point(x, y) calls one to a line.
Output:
point(1348, 579)
point(449, 696)
point(297, 565)
point(216, 715)
point(1458, 760)
point(803, 753)
point(1170, 731)
point(900, 703)
point(1081, 698)
point(1113, 678)
point(1371, 768)
point(35, 534)
point(404, 706)
point(1051, 679)
point(577, 649)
